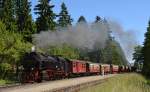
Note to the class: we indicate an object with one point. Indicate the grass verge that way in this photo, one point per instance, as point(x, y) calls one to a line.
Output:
point(122, 83)
point(5, 82)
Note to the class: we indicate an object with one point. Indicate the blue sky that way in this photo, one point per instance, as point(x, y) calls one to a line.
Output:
point(131, 14)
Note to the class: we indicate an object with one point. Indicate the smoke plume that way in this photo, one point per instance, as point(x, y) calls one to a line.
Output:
point(88, 36)
point(127, 39)
point(83, 36)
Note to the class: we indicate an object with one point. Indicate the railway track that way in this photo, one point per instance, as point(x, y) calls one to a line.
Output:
point(58, 85)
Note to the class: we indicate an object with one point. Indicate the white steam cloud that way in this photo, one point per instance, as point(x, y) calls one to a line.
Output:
point(127, 39)
point(88, 36)
point(81, 36)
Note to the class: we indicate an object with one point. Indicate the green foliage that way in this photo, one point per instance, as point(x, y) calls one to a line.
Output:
point(4, 82)
point(65, 51)
point(146, 52)
point(24, 19)
point(113, 53)
point(12, 48)
point(1, 8)
point(138, 57)
point(4, 69)
point(7, 15)
point(64, 18)
point(121, 83)
point(46, 16)
point(95, 56)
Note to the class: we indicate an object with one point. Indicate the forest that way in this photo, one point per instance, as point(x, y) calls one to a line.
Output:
point(17, 28)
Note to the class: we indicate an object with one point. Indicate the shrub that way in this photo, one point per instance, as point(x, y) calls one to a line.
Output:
point(12, 48)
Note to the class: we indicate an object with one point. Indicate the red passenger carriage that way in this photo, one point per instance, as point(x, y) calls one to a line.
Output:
point(114, 69)
point(94, 68)
point(77, 67)
point(105, 68)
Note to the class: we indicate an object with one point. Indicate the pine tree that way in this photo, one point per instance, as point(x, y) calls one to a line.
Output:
point(1, 3)
point(82, 19)
point(19, 15)
point(146, 52)
point(24, 18)
point(1, 8)
point(64, 18)
point(138, 57)
point(98, 19)
point(7, 14)
point(46, 16)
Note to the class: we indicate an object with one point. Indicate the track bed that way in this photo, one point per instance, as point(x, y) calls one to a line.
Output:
point(55, 86)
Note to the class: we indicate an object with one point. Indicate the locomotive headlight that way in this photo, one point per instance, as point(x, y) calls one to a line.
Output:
point(56, 66)
point(33, 48)
point(32, 68)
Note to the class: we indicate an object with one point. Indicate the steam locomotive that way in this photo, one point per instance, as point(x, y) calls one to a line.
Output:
point(38, 66)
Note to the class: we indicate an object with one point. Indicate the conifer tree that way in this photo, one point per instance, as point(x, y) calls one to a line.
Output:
point(82, 19)
point(64, 18)
point(46, 16)
point(146, 52)
point(1, 8)
point(98, 19)
point(7, 14)
point(138, 57)
point(24, 18)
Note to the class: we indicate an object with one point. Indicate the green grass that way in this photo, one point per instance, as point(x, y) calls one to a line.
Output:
point(5, 82)
point(122, 83)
